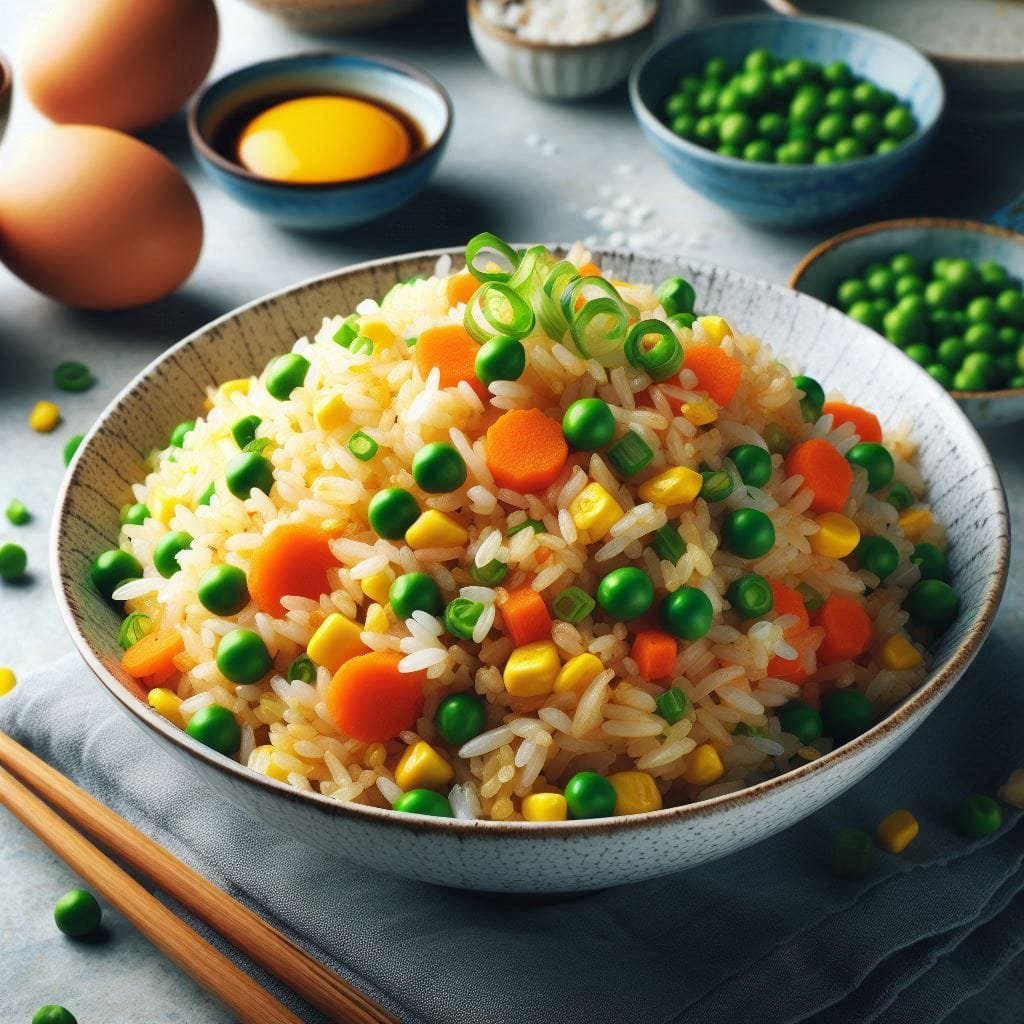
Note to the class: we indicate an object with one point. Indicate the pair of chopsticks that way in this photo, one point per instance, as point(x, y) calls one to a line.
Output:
point(250, 934)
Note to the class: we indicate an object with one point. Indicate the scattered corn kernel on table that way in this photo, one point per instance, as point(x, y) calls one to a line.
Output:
point(544, 172)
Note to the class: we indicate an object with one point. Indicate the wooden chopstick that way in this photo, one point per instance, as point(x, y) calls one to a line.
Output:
point(248, 932)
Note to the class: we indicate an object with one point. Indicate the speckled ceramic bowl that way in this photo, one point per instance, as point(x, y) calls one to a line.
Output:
point(337, 15)
point(820, 272)
point(558, 856)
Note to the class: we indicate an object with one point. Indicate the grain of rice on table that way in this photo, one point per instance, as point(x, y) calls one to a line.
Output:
point(733, 683)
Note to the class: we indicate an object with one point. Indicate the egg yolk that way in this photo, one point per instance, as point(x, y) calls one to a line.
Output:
point(322, 139)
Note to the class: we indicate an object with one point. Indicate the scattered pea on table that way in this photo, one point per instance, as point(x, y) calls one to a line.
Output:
point(977, 817)
point(44, 417)
point(852, 853)
point(73, 376)
point(16, 512)
point(13, 562)
point(77, 913)
point(52, 1014)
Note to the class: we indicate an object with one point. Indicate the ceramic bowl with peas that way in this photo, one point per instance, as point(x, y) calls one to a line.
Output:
point(788, 122)
point(949, 293)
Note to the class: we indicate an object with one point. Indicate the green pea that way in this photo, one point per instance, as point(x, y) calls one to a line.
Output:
point(839, 100)
point(626, 593)
point(932, 603)
point(755, 87)
point(759, 60)
point(962, 275)
point(180, 432)
point(1010, 305)
point(866, 127)
point(886, 146)
point(500, 358)
point(864, 312)
point(736, 129)
point(135, 515)
point(846, 714)
point(759, 151)
point(717, 486)
point(461, 617)
point(706, 131)
point(588, 424)
point(899, 496)
point(951, 352)
point(302, 669)
point(729, 150)
point(941, 373)
point(781, 82)
point(285, 374)
point(796, 151)
point(244, 430)
point(905, 263)
point(876, 460)
point(460, 717)
point(748, 533)
point(931, 561)
point(903, 327)
point(772, 126)
point(921, 354)
point(1009, 339)
point(53, 1014)
point(852, 853)
point(831, 128)
point(108, 571)
point(801, 720)
point(877, 555)
point(489, 575)
point(825, 157)
point(993, 275)
point(243, 658)
point(970, 380)
point(849, 148)
point(680, 103)
point(851, 291)
point(687, 613)
point(589, 795)
point(391, 512)
point(223, 590)
point(415, 591)
point(751, 596)
point(808, 104)
point(424, 801)
point(1015, 382)
point(880, 280)
point(800, 71)
point(977, 817)
point(1006, 367)
point(77, 913)
point(215, 726)
point(165, 554)
point(982, 310)
point(685, 126)
point(248, 470)
point(867, 95)
point(753, 463)
point(814, 397)
point(717, 68)
point(908, 284)
point(673, 705)
point(17, 513)
point(707, 99)
point(731, 100)
point(940, 295)
point(689, 84)
point(837, 72)
point(438, 468)
point(899, 123)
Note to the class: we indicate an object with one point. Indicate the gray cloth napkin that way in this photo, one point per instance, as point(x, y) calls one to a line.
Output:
point(767, 935)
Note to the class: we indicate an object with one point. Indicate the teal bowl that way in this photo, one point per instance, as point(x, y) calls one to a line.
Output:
point(787, 195)
point(330, 206)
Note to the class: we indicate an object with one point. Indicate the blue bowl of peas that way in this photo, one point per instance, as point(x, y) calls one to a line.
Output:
point(788, 121)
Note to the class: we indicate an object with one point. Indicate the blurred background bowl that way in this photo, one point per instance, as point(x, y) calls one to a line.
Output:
point(332, 205)
point(789, 195)
point(846, 255)
point(337, 15)
point(6, 89)
point(558, 71)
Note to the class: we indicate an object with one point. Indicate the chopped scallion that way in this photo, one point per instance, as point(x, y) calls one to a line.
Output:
point(461, 617)
point(573, 605)
point(673, 705)
point(487, 242)
point(301, 668)
point(533, 524)
point(662, 359)
point(630, 454)
point(362, 446)
point(361, 346)
point(813, 600)
point(668, 545)
point(497, 309)
point(133, 629)
point(348, 331)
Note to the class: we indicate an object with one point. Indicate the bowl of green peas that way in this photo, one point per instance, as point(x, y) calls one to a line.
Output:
point(947, 292)
point(788, 121)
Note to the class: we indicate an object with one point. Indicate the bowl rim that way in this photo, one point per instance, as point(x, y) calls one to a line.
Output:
point(653, 123)
point(6, 75)
point(400, 68)
point(838, 241)
point(477, 18)
point(792, 10)
point(935, 686)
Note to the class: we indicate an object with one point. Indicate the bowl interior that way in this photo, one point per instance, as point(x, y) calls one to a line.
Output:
point(813, 337)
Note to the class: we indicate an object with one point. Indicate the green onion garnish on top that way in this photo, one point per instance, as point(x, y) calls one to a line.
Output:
point(717, 486)
point(361, 346)
point(487, 242)
point(573, 605)
point(497, 309)
point(301, 668)
point(630, 454)
point(668, 545)
point(661, 360)
point(362, 446)
point(348, 331)
point(133, 629)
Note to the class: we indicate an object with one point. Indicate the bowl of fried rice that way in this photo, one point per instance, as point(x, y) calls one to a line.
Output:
point(531, 568)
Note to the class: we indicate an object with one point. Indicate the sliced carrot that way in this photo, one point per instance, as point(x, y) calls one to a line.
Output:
point(590, 270)
point(153, 655)
point(717, 372)
point(655, 654)
point(451, 349)
point(866, 423)
point(525, 450)
point(825, 472)
point(847, 629)
point(526, 617)
point(371, 701)
point(793, 670)
point(461, 288)
point(788, 601)
point(292, 562)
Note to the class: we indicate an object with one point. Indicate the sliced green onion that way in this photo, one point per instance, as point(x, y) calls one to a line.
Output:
point(502, 310)
point(16, 512)
point(348, 331)
point(533, 268)
point(301, 668)
point(608, 311)
point(630, 454)
point(668, 545)
point(362, 446)
point(813, 600)
point(533, 524)
point(486, 242)
point(73, 376)
point(258, 445)
point(552, 320)
point(717, 486)
point(661, 360)
point(489, 575)
point(682, 319)
point(461, 617)
point(207, 496)
point(411, 342)
point(573, 605)
point(361, 346)
point(673, 705)
point(133, 629)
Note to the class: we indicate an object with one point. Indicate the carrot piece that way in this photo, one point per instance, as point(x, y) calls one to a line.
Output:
point(590, 270)
point(866, 423)
point(153, 655)
point(292, 562)
point(525, 617)
point(371, 701)
point(655, 654)
point(825, 472)
point(451, 349)
point(793, 670)
point(525, 450)
point(847, 629)
point(788, 601)
point(717, 372)
point(461, 288)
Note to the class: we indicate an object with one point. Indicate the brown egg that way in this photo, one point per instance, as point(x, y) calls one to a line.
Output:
point(123, 64)
point(94, 218)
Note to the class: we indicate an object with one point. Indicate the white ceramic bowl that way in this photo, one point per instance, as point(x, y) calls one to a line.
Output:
point(519, 856)
point(556, 71)
point(337, 15)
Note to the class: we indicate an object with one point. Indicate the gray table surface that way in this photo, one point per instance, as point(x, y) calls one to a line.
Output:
point(521, 168)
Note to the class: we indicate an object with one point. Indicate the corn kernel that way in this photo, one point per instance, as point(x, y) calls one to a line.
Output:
point(837, 536)
point(7, 680)
point(897, 831)
point(271, 769)
point(377, 587)
point(335, 642)
point(44, 417)
point(161, 507)
point(434, 529)
point(635, 792)
point(330, 412)
point(676, 486)
point(545, 807)
point(239, 386)
point(377, 619)
point(377, 331)
point(716, 328)
point(915, 522)
point(578, 673)
point(165, 704)
point(700, 413)
point(532, 669)
point(899, 654)
point(1012, 790)
point(422, 767)
point(703, 766)
point(595, 512)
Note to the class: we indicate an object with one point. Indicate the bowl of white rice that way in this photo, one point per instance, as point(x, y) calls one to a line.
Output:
point(541, 575)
